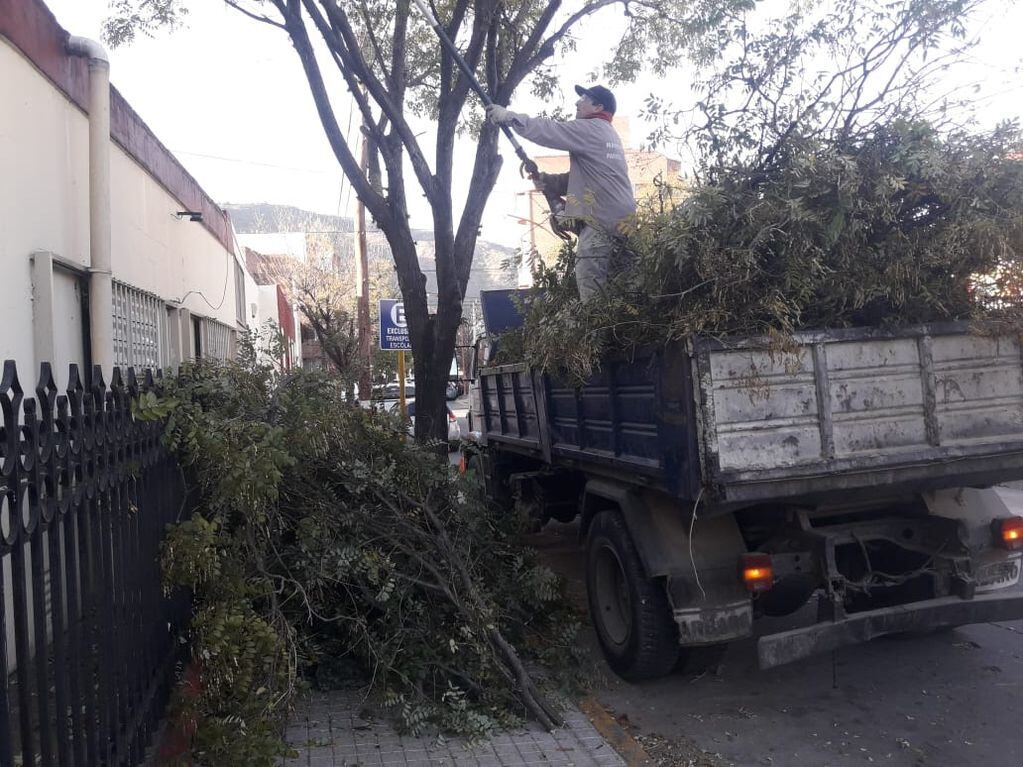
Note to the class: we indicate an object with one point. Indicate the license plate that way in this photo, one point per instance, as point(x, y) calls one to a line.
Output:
point(998, 575)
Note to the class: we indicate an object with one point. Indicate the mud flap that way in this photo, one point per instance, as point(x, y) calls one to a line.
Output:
point(715, 623)
point(709, 603)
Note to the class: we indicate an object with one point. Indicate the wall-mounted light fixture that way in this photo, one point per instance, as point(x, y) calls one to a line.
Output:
point(191, 215)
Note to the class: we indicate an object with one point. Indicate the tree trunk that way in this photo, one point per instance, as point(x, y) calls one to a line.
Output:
point(431, 405)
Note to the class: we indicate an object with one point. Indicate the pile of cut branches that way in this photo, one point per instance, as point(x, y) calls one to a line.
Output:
point(901, 226)
point(326, 544)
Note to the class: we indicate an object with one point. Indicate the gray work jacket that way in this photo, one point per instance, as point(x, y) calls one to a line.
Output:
point(599, 190)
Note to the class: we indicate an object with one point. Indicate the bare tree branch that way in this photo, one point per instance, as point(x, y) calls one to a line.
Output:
point(254, 16)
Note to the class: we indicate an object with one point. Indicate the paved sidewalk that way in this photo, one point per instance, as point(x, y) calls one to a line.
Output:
point(327, 731)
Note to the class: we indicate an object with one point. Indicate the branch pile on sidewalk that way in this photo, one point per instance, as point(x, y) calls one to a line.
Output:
point(899, 226)
point(323, 540)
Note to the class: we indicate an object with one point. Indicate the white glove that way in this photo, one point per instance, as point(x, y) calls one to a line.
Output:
point(498, 115)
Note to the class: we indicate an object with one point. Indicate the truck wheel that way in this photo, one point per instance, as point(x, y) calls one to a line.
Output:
point(490, 480)
point(630, 611)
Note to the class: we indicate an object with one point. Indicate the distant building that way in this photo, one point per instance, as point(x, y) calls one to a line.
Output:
point(290, 244)
point(274, 303)
point(180, 289)
point(646, 170)
point(328, 242)
point(277, 303)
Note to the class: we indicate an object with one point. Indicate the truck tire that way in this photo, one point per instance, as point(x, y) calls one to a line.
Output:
point(630, 611)
point(492, 481)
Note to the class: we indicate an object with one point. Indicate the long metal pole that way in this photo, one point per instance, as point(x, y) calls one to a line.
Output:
point(101, 286)
point(530, 166)
point(554, 203)
point(402, 403)
point(362, 284)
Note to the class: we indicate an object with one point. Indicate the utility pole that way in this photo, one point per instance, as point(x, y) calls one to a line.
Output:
point(362, 283)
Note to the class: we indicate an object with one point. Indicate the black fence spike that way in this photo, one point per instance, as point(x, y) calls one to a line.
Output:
point(74, 378)
point(89, 494)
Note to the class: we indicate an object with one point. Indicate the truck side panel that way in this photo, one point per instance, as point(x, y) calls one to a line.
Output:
point(734, 422)
point(848, 404)
point(510, 407)
point(613, 415)
point(634, 419)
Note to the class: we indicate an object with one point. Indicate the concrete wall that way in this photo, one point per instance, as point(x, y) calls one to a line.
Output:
point(44, 209)
point(275, 309)
point(192, 281)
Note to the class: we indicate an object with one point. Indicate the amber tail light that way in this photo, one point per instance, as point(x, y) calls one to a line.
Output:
point(757, 572)
point(1009, 533)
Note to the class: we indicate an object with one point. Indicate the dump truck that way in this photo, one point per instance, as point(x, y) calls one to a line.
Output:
point(854, 481)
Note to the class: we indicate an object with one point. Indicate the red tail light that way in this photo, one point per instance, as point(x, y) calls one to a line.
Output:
point(1009, 533)
point(757, 572)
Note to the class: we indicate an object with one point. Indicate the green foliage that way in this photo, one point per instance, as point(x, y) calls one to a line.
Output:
point(128, 18)
point(903, 226)
point(662, 33)
point(323, 539)
point(832, 188)
point(245, 685)
point(829, 71)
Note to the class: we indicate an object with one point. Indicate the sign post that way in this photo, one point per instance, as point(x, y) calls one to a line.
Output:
point(394, 337)
point(401, 384)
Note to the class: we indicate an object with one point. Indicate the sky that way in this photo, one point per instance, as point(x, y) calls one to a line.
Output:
point(228, 97)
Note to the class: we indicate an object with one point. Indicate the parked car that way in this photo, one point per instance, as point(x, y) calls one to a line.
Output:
point(391, 391)
point(454, 431)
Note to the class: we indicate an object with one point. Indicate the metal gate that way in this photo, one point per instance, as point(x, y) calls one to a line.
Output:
point(88, 641)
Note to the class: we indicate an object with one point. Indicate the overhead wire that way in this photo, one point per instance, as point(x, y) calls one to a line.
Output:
point(241, 161)
point(344, 178)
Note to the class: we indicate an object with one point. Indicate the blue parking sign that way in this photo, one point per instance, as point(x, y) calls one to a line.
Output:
point(393, 328)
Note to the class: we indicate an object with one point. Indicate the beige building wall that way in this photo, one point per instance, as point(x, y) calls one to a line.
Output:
point(44, 219)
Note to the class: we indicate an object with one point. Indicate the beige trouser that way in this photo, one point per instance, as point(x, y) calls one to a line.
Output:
point(592, 261)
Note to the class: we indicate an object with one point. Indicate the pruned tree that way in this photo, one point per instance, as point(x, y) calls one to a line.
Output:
point(396, 71)
point(838, 183)
point(327, 304)
point(831, 72)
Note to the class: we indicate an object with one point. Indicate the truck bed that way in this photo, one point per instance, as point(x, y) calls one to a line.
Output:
point(731, 422)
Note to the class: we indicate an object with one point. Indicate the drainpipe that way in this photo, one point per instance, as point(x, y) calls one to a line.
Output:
point(101, 295)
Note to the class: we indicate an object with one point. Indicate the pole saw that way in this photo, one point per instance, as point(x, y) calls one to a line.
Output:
point(528, 167)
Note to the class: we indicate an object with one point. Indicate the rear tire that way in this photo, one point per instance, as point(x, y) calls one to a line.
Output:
point(630, 611)
point(491, 478)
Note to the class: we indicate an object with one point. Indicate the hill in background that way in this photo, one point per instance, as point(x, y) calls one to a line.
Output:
point(329, 242)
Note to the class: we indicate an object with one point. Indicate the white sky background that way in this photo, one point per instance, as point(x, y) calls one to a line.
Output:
point(227, 95)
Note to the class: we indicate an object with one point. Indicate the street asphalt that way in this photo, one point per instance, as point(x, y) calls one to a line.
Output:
point(950, 698)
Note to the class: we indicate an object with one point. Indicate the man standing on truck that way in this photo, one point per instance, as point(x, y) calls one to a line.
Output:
point(598, 194)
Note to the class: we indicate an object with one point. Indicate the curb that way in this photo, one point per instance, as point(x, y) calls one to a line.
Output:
point(627, 747)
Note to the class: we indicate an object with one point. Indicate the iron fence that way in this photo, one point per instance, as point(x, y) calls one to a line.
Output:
point(88, 641)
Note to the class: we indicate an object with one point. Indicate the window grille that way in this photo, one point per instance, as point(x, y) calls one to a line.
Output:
point(217, 339)
point(140, 328)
